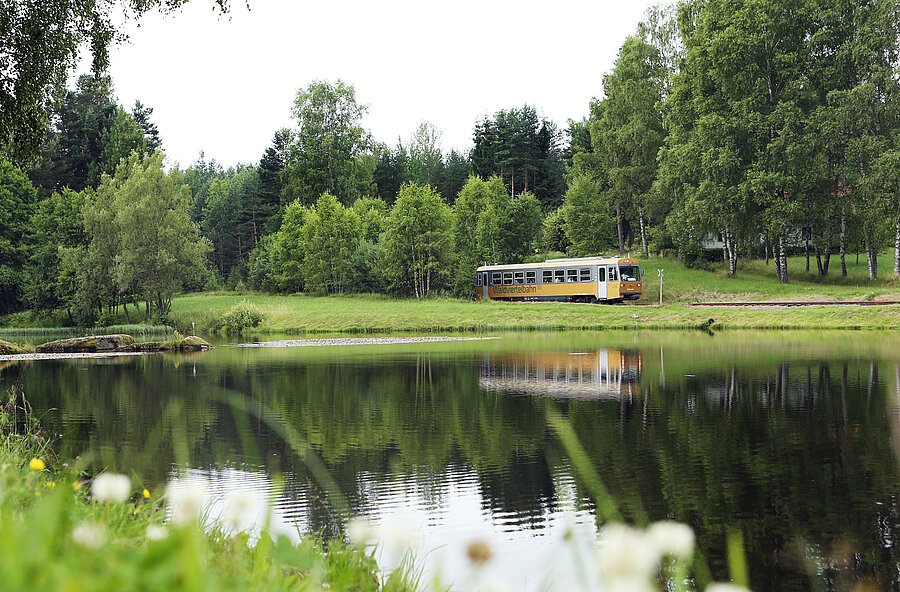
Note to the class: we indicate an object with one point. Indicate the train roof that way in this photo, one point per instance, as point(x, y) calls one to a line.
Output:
point(581, 261)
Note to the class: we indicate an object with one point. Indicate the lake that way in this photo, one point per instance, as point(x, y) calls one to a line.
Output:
point(790, 438)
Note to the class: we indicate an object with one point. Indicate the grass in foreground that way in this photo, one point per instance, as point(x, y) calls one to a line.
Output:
point(60, 532)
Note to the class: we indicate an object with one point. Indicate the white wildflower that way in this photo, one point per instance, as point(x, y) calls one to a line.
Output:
point(89, 534)
point(111, 488)
point(360, 531)
point(494, 586)
point(242, 509)
point(187, 499)
point(399, 534)
point(398, 537)
point(725, 587)
point(626, 554)
point(629, 584)
point(155, 532)
point(672, 538)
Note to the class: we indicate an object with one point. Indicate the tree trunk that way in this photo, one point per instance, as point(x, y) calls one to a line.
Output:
point(828, 236)
point(897, 250)
point(125, 308)
point(808, 231)
point(620, 230)
point(643, 233)
point(766, 248)
point(782, 257)
point(871, 258)
point(731, 252)
point(137, 306)
point(777, 264)
point(844, 241)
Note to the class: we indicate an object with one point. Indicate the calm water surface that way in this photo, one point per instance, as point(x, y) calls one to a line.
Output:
point(791, 438)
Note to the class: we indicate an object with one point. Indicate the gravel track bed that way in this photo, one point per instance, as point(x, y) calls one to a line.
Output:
point(355, 341)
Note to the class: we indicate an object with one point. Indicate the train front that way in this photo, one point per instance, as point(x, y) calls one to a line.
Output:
point(631, 278)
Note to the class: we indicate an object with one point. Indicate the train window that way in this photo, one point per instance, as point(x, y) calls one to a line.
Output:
point(613, 275)
point(495, 278)
point(520, 277)
point(630, 273)
point(584, 274)
point(507, 278)
point(530, 277)
point(601, 274)
point(571, 275)
point(477, 279)
point(547, 276)
point(559, 276)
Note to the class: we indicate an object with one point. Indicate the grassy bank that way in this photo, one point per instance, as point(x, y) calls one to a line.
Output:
point(298, 314)
point(682, 286)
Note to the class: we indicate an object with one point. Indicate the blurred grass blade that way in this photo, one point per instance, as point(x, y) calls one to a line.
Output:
point(737, 559)
point(606, 505)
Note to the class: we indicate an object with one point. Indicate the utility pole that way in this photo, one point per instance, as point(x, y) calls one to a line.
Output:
point(660, 285)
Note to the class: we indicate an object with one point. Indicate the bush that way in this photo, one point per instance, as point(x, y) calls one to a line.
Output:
point(239, 318)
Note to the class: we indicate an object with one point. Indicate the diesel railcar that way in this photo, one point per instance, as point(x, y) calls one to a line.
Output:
point(586, 279)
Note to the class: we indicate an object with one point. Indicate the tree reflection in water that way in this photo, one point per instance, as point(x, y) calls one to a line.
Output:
point(794, 448)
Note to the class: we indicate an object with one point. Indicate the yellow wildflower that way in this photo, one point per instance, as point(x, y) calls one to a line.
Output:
point(77, 485)
point(37, 464)
point(146, 494)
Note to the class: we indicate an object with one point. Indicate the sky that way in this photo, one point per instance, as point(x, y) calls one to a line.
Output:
point(224, 85)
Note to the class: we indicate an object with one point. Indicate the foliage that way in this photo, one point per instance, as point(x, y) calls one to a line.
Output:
point(287, 248)
point(329, 237)
point(325, 152)
point(588, 218)
point(260, 269)
point(40, 42)
point(417, 241)
point(239, 318)
point(142, 244)
point(523, 149)
point(17, 200)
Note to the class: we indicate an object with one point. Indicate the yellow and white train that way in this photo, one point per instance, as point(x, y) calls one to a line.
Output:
point(587, 279)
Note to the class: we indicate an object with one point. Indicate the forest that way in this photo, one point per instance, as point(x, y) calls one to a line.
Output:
point(760, 128)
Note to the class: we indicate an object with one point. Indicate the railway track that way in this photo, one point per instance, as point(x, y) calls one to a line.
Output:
point(793, 304)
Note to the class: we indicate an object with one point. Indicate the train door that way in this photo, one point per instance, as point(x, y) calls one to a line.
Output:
point(601, 283)
point(484, 285)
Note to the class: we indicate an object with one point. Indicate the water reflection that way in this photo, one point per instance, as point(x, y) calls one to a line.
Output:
point(602, 373)
point(789, 439)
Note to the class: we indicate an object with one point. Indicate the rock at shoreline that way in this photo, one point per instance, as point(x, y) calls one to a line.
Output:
point(116, 343)
point(194, 343)
point(94, 343)
point(7, 348)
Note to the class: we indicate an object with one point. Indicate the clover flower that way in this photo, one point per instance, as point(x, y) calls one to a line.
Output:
point(155, 532)
point(89, 534)
point(110, 488)
point(360, 532)
point(242, 508)
point(672, 538)
point(627, 555)
point(187, 500)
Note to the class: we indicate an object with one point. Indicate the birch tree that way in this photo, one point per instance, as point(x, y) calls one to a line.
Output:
point(416, 242)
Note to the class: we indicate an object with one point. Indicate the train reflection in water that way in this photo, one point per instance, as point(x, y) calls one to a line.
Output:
point(600, 374)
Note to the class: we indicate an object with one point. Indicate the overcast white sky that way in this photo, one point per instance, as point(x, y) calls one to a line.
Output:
point(225, 85)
